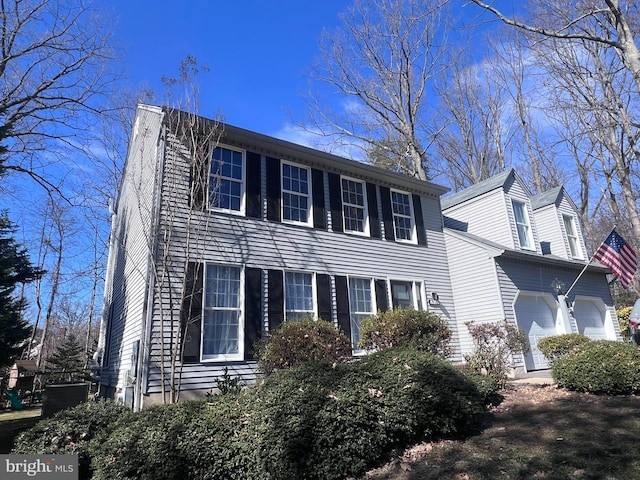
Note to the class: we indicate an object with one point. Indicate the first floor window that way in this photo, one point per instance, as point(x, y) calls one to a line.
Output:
point(299, 297)
point(402, 215)
point(361, 305)
point(406, 294)
point(221, 325)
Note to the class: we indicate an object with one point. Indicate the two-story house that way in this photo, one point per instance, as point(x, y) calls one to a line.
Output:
point(513, 256)
point(220, 234)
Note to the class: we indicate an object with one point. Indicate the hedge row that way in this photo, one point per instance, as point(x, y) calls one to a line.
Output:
point(315, 421)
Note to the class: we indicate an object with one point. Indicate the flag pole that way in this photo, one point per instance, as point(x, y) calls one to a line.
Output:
point(587, 265)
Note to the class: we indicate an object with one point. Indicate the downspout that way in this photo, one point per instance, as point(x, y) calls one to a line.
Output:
point(142, 377)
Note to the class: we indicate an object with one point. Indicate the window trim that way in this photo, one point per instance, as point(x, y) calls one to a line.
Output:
point(241, 313)
point(374, 307)
point(365, 207)
point(529, 232)
point(314, 294)
point(574, 235)
point(309, 196)
point(417, 290)
point(414, 237)
point(243, 182)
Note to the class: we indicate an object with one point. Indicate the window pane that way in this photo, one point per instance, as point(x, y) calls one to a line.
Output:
point(402, 219)
point(298, 295)
point(295, 193)
point(225, 184)
point(221, 320)
point(522, 224)
point(361, 305)
point(353, 206)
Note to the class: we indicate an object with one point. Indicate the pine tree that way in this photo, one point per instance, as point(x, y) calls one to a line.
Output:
point(15, 269)
point(67, 363)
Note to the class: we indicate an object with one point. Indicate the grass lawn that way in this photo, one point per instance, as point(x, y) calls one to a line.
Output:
point(536, 433)
point(12, 423)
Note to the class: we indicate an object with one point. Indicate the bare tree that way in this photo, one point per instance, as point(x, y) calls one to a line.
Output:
point(382, 63)
point(54, 57)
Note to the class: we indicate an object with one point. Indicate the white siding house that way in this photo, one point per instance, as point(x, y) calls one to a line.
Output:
point(220, 234)
point(508, 258)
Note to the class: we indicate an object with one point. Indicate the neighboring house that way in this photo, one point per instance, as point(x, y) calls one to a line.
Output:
point(220, 234)
point(513, 256)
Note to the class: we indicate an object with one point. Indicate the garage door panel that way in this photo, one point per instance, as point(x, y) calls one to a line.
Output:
point(538, 319)
point(589, 319)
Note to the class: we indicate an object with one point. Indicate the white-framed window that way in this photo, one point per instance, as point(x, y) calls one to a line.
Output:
point(403, 222)
point(296, 194)
point(572, 236)
point(222, 319)
point(354, 206)
point(362, 304)
point(406, 294)
point(227, 180)
point(522, 224)
point(299, 296)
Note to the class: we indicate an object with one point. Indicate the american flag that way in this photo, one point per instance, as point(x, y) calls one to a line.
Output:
point(619, 256)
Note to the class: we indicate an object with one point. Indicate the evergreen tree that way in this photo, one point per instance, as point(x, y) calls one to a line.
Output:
point(15, 269)
point(67, 363)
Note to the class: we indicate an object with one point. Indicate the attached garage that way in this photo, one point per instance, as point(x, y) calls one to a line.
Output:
point(591, 318)
point(536, 314)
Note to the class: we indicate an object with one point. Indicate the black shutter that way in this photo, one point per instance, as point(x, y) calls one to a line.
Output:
point(323, 285)
point(198, 180)
point(381, 295)
point(253, 173)
point(276, 299)
point(274, 191)
point(191, 313)
point(319, 211)
point(252, 309)
point(342, 305)
point(417, 212)
point(374, 216)
point(387, 214)
point(335, 201)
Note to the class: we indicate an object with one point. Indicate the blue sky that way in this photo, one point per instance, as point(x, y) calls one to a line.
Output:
point(258, 52)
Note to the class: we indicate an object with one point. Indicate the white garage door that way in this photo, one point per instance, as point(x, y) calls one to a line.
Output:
point(537, 317)
point(590, 319)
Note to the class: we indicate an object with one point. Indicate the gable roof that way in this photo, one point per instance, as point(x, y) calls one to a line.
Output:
point(497, 181)
point(550, 197)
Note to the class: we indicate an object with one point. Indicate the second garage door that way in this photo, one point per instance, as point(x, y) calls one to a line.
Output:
point(536, 315)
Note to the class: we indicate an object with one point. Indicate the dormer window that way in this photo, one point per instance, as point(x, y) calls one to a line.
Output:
point(572, 236)
point(522, 223)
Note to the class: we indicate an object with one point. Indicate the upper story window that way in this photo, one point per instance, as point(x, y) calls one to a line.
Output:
point(296, 194)
point(361, 305)
point(222, 329)
point(522, 223)
point(226, 182)
point(299, 296)
point(354, 206)
point(572, 236)
point(403, 222)
point(406, 294)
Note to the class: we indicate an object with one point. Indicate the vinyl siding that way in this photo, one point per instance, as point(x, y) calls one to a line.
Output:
point(550, 225)
point(130, 249)
point(193, 235)
point(475, 287)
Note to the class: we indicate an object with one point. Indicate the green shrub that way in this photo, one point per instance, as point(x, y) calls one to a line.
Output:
point(400, 328)
point(558, 346)
point(71, 431)
point(190, 440)
point(301, 341)
point(624, 319)
point(600, 367)
point(494, 346)
point(335, 421)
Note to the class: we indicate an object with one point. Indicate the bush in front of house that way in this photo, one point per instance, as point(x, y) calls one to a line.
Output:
point(301, 341)
point(406, 328)
point(624, 319)
point(335, 421)
point(601, 367)
point(494, 347)
point(557, 346)
point(71, 431)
